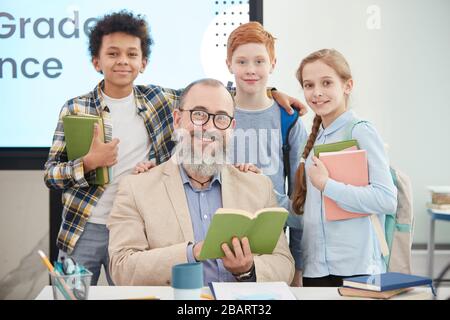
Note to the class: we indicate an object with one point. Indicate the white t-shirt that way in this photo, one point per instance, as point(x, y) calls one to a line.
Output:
point(128, 126)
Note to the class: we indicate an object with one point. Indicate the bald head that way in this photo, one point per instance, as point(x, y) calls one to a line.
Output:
point(210, 94)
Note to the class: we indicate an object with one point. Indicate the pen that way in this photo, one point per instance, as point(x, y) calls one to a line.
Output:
point(145, 298)
point(65, 290)
point(46, 261)
point(206, 296)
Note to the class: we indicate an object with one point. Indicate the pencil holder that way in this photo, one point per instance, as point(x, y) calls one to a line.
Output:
point(71, 287)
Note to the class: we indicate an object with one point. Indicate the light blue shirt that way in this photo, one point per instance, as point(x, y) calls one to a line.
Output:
point(257, 139)
point(348, 247)
point(202, 205)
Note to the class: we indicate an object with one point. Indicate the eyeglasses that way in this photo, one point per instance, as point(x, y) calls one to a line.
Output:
point(200, 118)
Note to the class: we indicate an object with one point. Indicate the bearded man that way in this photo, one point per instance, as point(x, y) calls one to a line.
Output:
point(160, 218)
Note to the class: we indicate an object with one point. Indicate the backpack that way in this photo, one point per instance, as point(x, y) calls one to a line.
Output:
point(396, 238)
point(288, 121)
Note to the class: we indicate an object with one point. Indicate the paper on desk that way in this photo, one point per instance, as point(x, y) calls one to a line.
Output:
point(251, 291)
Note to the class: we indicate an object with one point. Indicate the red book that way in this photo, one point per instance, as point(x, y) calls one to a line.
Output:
point(349, 167)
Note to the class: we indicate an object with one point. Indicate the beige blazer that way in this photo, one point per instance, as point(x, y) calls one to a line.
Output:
point(150, 225)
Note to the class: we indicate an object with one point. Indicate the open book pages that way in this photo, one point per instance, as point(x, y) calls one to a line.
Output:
point(246, 213)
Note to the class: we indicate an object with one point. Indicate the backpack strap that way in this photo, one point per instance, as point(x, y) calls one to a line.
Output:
point(287, 121)
point(380, 236)
point(379, 232)
point(350, 126)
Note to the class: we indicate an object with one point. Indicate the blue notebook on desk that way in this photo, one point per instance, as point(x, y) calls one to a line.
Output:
point(387, 281)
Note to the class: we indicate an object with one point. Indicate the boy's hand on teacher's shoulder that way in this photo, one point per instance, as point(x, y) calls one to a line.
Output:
point(144, 166)
point(100, 154)
point(287, 102)
point(245, 167)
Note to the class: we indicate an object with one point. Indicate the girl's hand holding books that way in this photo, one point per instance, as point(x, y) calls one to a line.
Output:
point(318, 174)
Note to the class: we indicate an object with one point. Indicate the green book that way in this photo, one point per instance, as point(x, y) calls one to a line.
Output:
point(78, 132)
point(262, 229)
point(335, 147)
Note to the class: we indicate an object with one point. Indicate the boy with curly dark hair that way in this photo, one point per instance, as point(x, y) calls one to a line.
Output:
point(138, 126)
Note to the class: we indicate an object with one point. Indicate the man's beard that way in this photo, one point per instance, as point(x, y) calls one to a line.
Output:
point(197, 160)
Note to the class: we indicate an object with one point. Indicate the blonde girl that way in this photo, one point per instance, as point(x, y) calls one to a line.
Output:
point(333, 250)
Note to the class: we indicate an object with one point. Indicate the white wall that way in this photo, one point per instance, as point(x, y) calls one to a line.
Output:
point(401, 73)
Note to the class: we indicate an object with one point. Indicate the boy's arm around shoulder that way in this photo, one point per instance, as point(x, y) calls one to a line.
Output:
point(278, 266)
point(159, 97)
point(172, 94)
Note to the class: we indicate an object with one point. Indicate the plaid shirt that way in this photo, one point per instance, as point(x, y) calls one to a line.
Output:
point(155, 106)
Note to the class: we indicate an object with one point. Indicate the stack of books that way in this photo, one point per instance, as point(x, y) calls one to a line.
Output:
point(440, 199)
point(387, 286)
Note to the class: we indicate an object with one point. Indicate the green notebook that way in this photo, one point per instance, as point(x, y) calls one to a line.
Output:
point(78, 132)
point(334, 147)
point(263, 230)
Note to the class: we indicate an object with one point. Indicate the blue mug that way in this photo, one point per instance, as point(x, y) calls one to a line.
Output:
point(187, 281)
